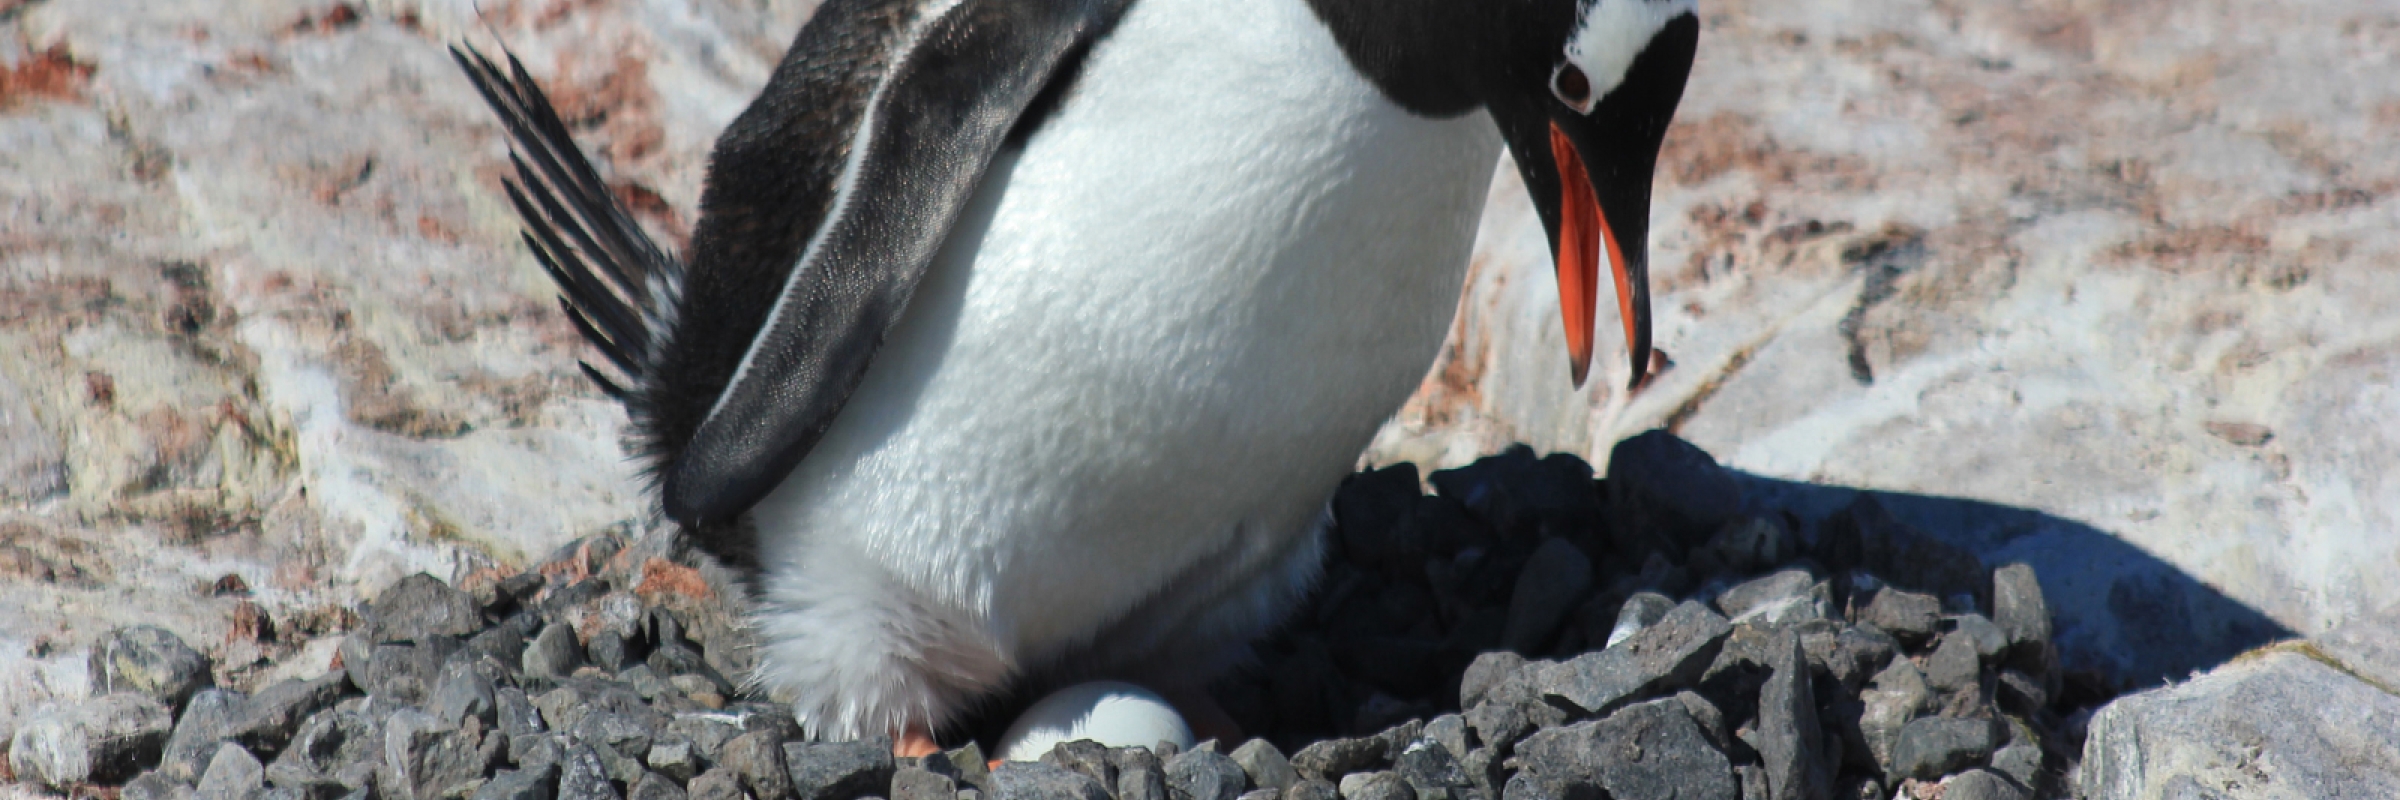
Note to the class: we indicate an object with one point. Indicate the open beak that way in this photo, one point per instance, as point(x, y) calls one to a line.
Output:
point(1583, 235)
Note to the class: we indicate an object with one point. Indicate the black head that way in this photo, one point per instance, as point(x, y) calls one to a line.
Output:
point(1582, 91)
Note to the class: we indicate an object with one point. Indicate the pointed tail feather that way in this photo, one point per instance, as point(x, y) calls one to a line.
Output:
point(616, 285)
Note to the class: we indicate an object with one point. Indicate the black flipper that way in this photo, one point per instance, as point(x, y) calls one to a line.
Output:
point(958, 80)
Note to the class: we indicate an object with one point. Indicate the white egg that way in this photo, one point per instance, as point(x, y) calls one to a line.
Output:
point(1111, 713)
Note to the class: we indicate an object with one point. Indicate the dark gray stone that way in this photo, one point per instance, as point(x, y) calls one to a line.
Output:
point(1033, 780)
point(1710, 719)
point(1378, 785)
point(1262, 794)
point(1747, 544)
point(1753, 780)
point(337, 747)
point(838, 770)
point(1897, 695)
point(1308, 790)
point(268, 719)
point(1553, 581)
point(622, 740)
point(1084, 756)
point(1789, 738)
point(968, 766)
point(1201, 774)
point(1330, 759)
point(1908, 616)
point(758, 758)
point(421, 606)
point(718, 784)
point(1989, 641)
point(1639, 612)
point(1760, 591)
point(1486, 671)
point(1140, 775)
point(1663, 657)
point(1265, 765)
point(653, 786)
point(424, 759)
point(1499, 726)
point(506, 642)
point(2018, 607)
point(707, 735)
point(1431, 770)
point(461, 692)
point(1931, 747)
point(1981, 784)
point(405, 672)
point(554, 653)
point(151, 661)
point(609, 650)
point(1953, 666)
point(918, 783)
point(515, 713)
point(582, 776)
point(2021, 762)
point(106, 739)
point(232, 774)
point(1866, 536)
point(1645, 750)
point(675, 758)
point(2020, 694)
point(1450, 731)
point(153, 786)
point(1855, 655)
point(206, 721)
point(538, 783)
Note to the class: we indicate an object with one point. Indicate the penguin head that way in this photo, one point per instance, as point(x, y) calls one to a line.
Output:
point(1583, 94)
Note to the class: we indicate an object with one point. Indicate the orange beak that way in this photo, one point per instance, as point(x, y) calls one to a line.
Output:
point(1582, 232)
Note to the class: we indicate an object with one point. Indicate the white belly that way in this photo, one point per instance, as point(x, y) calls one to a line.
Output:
point(1160, 336)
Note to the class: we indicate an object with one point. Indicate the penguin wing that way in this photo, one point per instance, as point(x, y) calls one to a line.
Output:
point(942, 99)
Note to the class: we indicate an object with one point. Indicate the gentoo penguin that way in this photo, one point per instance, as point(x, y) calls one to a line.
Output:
point(1022, 342)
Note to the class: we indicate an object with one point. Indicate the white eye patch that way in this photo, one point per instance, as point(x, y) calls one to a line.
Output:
point(1609, 34)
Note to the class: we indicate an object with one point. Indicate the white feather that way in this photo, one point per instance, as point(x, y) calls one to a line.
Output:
point(1609, 34)
point(1100, 442)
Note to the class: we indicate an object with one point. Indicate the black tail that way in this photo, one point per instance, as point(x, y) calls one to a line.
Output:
point(615, 284)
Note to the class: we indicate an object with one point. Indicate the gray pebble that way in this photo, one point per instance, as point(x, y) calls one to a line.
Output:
point(421, 606)
point(1140, 775)
point(1310, 790)
point(268, 719)
point(1262, 794)
point(1486, 671)
point(1202, 774)
point(538, 783)
point(653, 786)
point(1642, 610)
point(1450, 731)
point(1990, 642)
point(1084, 756)
point(674, 758)
point(2021, 762)
point(1931, 747)
point(1982, 785)
point(554, 653)
point(1789, 738)
point(102, 740)
point(717, 784)
point(333, 748)
point(838, 770)
point(2018, 607)
point(918, 783)
point(425, 759)
point(707, 734)
point(1907, 616)
point(1033, 780)
point(1664, 657)
point(1376, 786)
point(1751, 594)
point(461, 692)
point(233, 774)
point(207, 720)
point(1953, 666)
point(1431, 770)
point(149, 660)
point(1499, 726)
point(1330, 759)
point(154, 786)
point(582, 776)
point(1651, 749)
point(758, 759)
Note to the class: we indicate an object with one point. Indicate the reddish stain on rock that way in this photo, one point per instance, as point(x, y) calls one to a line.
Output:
point(660, 576)
point(52, 74)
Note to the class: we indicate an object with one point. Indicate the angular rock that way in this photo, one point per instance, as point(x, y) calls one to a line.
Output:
point(2329, 734)
point(719, 784)
point(582, 776)
point(151, 661)
point(1953, 666)
point(1642, 610)
point(1140, 775)
point(1897, 695)
point(1330, 759)
point(1376, 786)
point(515, 715)
point(338, 747)
point(622, 739)
point(838, 770)
point(1663, 657)
point(1308, 790)
point(1486, 671)
point(1783, 585)
point(1789, 738)
point(1265, 765)
point(421, 606)
point(153, 786)
point(233, 774)
point(106, 739)
point(425, 759)
point(1645, 750)
point(554, 653)
point(1989, 641)
point(652, 786)
point(1554, 580)
point(1980, 784)
point(268, 719)
point(1659, 482)
point(537, 783)
point(1907, 616)
point(2022, 763)
point(1449, 731)
point(2018, 693)
point(1931, 747)
point(461, 692)
point(1429, 768)
point(758, 758)
point(674, 758)
point(1033, 780)
point(207, 720)
point(1498, 725)
point(707, 735)
point(915, 783)
point(1201, 774)
point(2018, 607)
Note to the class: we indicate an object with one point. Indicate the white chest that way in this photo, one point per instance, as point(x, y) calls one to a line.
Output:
point(1161, 334)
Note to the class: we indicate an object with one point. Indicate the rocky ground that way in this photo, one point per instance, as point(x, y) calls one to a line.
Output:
point(1484, 640)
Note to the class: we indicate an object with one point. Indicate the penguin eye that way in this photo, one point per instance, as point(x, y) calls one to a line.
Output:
point(1572, 87)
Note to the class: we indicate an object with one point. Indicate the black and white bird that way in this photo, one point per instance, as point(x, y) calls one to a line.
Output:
point(1022, 342)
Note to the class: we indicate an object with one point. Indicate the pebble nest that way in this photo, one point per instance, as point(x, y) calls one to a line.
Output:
point(1524, 630)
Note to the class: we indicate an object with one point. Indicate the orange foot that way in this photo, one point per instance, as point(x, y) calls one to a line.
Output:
point(915, 742)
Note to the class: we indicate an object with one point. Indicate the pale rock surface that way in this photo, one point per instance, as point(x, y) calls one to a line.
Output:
point(2302, 719)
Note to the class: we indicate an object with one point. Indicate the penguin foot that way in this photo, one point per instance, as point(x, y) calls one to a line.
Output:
point(915, 742)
